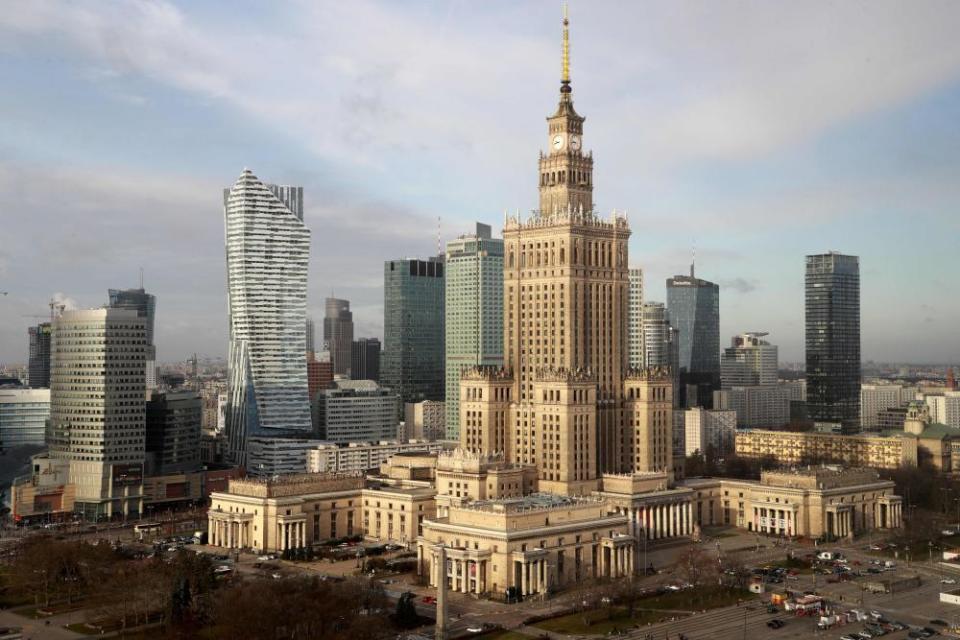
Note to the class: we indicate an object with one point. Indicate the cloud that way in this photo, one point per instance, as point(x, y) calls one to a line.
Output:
point(740, 285)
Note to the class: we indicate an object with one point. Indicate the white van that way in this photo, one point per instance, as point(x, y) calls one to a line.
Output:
point(825, 555)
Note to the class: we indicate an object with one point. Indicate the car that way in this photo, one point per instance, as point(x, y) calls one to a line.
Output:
point(914, 634)
point(848, 637)
point(474, 629)
point(948, 581)
point(772, 608)
point(948, 532)
point(264, 558)
point(939, 622)
point(275, 576)
point(775, 624)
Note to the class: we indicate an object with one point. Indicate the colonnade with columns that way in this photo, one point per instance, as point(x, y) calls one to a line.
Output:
point(224, 530)
point(533, 574)
point(617, 559)
point(661, 520)
point(291, 534)
point(888, 514)
point(464, 573)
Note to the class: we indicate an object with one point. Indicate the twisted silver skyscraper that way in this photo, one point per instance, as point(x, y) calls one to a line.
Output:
point(268, 249)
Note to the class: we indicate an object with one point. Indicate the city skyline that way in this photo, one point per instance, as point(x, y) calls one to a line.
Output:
point(755, 169)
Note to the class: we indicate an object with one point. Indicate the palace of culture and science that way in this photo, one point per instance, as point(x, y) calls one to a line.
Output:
point(564, 470)
point(565, 401)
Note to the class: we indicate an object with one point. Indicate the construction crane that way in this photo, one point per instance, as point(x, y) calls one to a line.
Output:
point(56, 309)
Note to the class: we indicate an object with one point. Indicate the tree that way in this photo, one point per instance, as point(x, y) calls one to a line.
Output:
point(406, 616)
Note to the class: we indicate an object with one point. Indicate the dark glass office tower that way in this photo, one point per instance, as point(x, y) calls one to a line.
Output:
point(413, 329)
point(38, 368)
point(365, 359)
point(694, 308)
point(338, 334)
point(833, 339)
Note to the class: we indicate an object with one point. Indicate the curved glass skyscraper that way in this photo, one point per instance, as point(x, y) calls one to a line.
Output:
point(268, 249)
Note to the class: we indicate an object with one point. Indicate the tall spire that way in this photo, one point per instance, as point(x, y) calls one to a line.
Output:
point(565, 73)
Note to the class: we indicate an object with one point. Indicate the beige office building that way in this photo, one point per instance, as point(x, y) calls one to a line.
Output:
point(809, 502)
point(98, 408)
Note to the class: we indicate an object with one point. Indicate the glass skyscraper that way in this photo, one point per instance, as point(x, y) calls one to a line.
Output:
point(833, 339)
point(474, 312)
point(145, 305)
point(38, 369)
point(338, 334)
point(413, 333)
point(694, 308)
point(268, 249)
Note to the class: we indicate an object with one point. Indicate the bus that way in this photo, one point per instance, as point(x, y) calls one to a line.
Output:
point(146, 530)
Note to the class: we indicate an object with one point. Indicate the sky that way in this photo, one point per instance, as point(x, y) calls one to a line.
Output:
point(757, 132)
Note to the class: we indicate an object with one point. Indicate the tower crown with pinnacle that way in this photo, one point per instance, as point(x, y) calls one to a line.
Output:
point(566, 172)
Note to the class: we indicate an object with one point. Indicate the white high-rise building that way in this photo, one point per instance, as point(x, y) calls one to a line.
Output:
point(709, 429)
point(98, 408)
point(635, 319)
point(944, 407)
point(268, 249)
point(756, 406)
point(876, 398)
point(656, 335)
point(748, 361)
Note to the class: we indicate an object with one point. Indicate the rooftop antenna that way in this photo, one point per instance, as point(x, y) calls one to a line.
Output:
point(141, 277)
point(693, 261)
point(438, 236)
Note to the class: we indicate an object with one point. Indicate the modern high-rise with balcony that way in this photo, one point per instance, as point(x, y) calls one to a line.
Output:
point(635, 320)
point(474, 312)
point(413, 328)
point(365, 359)
point(338, 334)
point(833, 339)
point(38, 367)
point(145, 305)
point(268, 249)
point(748, 361)
point(694, 306)
point(97, 408)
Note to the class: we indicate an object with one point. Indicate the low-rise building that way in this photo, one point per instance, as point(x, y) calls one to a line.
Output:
point(792, 447)
point(23, 416)
point(531, 544)
point(426, 420)
point(301, 510)
point(278, 456)
point(809, 502)
point(756, 406)
point(362, 456)
point(356, 411)
point(709, 430)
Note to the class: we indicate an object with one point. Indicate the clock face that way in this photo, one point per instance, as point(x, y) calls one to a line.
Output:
point(557, 141)
point(574, 142)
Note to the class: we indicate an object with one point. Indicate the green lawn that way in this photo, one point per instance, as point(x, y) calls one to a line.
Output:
point(601, 621)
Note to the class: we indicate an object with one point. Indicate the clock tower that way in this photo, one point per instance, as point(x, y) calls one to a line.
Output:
point(566, 172)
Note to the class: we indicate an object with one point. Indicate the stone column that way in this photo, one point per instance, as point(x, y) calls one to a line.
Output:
point(419, 560)
point(466, 576)
point(690, 518)
point(523, 577)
